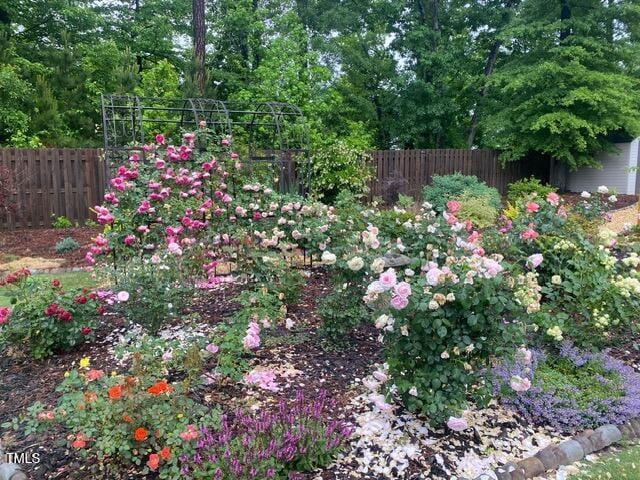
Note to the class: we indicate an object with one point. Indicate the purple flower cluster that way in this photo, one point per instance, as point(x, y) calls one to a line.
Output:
point(269, 444)
point(547, 407)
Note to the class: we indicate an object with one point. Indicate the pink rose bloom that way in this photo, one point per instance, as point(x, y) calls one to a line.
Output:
point(562, 212)
point(529, 234)
point(532, 207)
point(402, 289)
point(4, 315)
point(519, 384)
point(492, 267)
point(123, 296)
point(457, 424)
point(212, 348)
point(524, 355)
point(129, 239)
point(453, 206)
point(89, 258)
point(399, 302)
point(160, 139)
point(433, 276)
point(252, 338)
point(553, 198)
point(190, 434)
point(388, 279)
point(535, 260)
point(174, 248)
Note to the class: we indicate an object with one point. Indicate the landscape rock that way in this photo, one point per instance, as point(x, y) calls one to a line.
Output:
point(549, 457)
point(394, 260)
point(605, 436)
point(532, 467)
point(572, 450)
point(585, 443)
point(628, 432)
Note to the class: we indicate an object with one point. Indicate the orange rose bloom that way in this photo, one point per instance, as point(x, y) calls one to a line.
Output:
point(115, 392)
point(141, 434)
point(165, 453)
point(127, 418)
point(154, 461)
point(159, 388)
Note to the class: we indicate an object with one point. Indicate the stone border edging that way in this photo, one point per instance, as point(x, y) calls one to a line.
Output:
point(567, 452)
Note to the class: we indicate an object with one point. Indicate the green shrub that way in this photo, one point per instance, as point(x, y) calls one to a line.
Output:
point(47, 319)
point(453, 187)
point(341, 311)
point(341, 164)
point(61, 222)
point(67, 245)
point(477, 208)
point(526, 188)
point(156, 291)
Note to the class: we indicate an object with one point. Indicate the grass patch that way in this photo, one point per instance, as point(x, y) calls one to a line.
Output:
point(621, 465)
point(69, 280)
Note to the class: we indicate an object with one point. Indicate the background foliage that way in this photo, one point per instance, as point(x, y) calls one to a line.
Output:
point(518, 75)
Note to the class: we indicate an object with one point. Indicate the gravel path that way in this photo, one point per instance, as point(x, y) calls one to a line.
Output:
point(628, 215)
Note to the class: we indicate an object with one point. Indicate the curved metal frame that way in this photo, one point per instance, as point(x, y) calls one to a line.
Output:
point(125, 118)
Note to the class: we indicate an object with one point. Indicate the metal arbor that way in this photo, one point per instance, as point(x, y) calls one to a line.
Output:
point(272, 132)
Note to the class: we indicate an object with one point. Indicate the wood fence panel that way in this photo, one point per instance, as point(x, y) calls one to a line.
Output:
point(408, 171)
point(52, 181)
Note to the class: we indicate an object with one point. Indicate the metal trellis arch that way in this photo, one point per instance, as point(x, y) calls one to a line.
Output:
point(273, 132)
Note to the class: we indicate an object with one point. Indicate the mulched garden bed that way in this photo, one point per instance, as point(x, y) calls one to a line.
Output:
point(304, 363)
point(41, 243)
point(623, 200)
point(25, 381)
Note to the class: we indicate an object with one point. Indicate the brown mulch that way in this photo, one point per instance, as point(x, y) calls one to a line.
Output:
point(623, 200)
point(41, 243)
point(25, 380)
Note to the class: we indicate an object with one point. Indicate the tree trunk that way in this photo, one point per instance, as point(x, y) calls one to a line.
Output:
point(199, 33)
point(489, 66)
point(488, 70)
point(565, 14)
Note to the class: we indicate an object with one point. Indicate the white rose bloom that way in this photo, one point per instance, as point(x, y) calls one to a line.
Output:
point(613, 199)
point(328, 258)
point(355, 264)
point(556, 279)
point(585, 194)
point(413, 391)
point(377, 266)
point(381, 321)
point(603, 189)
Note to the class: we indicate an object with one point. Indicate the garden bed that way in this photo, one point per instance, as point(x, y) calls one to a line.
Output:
point(40, 243)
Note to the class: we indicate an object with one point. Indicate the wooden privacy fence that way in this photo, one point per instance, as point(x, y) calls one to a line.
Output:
point(408, 171)
point(52, 181)
point(68, 182)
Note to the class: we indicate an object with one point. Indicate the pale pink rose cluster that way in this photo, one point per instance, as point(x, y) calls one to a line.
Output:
point(252, 338)
point(370, 237)
point(263, 378)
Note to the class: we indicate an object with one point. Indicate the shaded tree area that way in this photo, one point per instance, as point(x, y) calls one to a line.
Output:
point(558, 78)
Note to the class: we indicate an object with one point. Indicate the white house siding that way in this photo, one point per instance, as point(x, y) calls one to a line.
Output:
point(615, 172)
